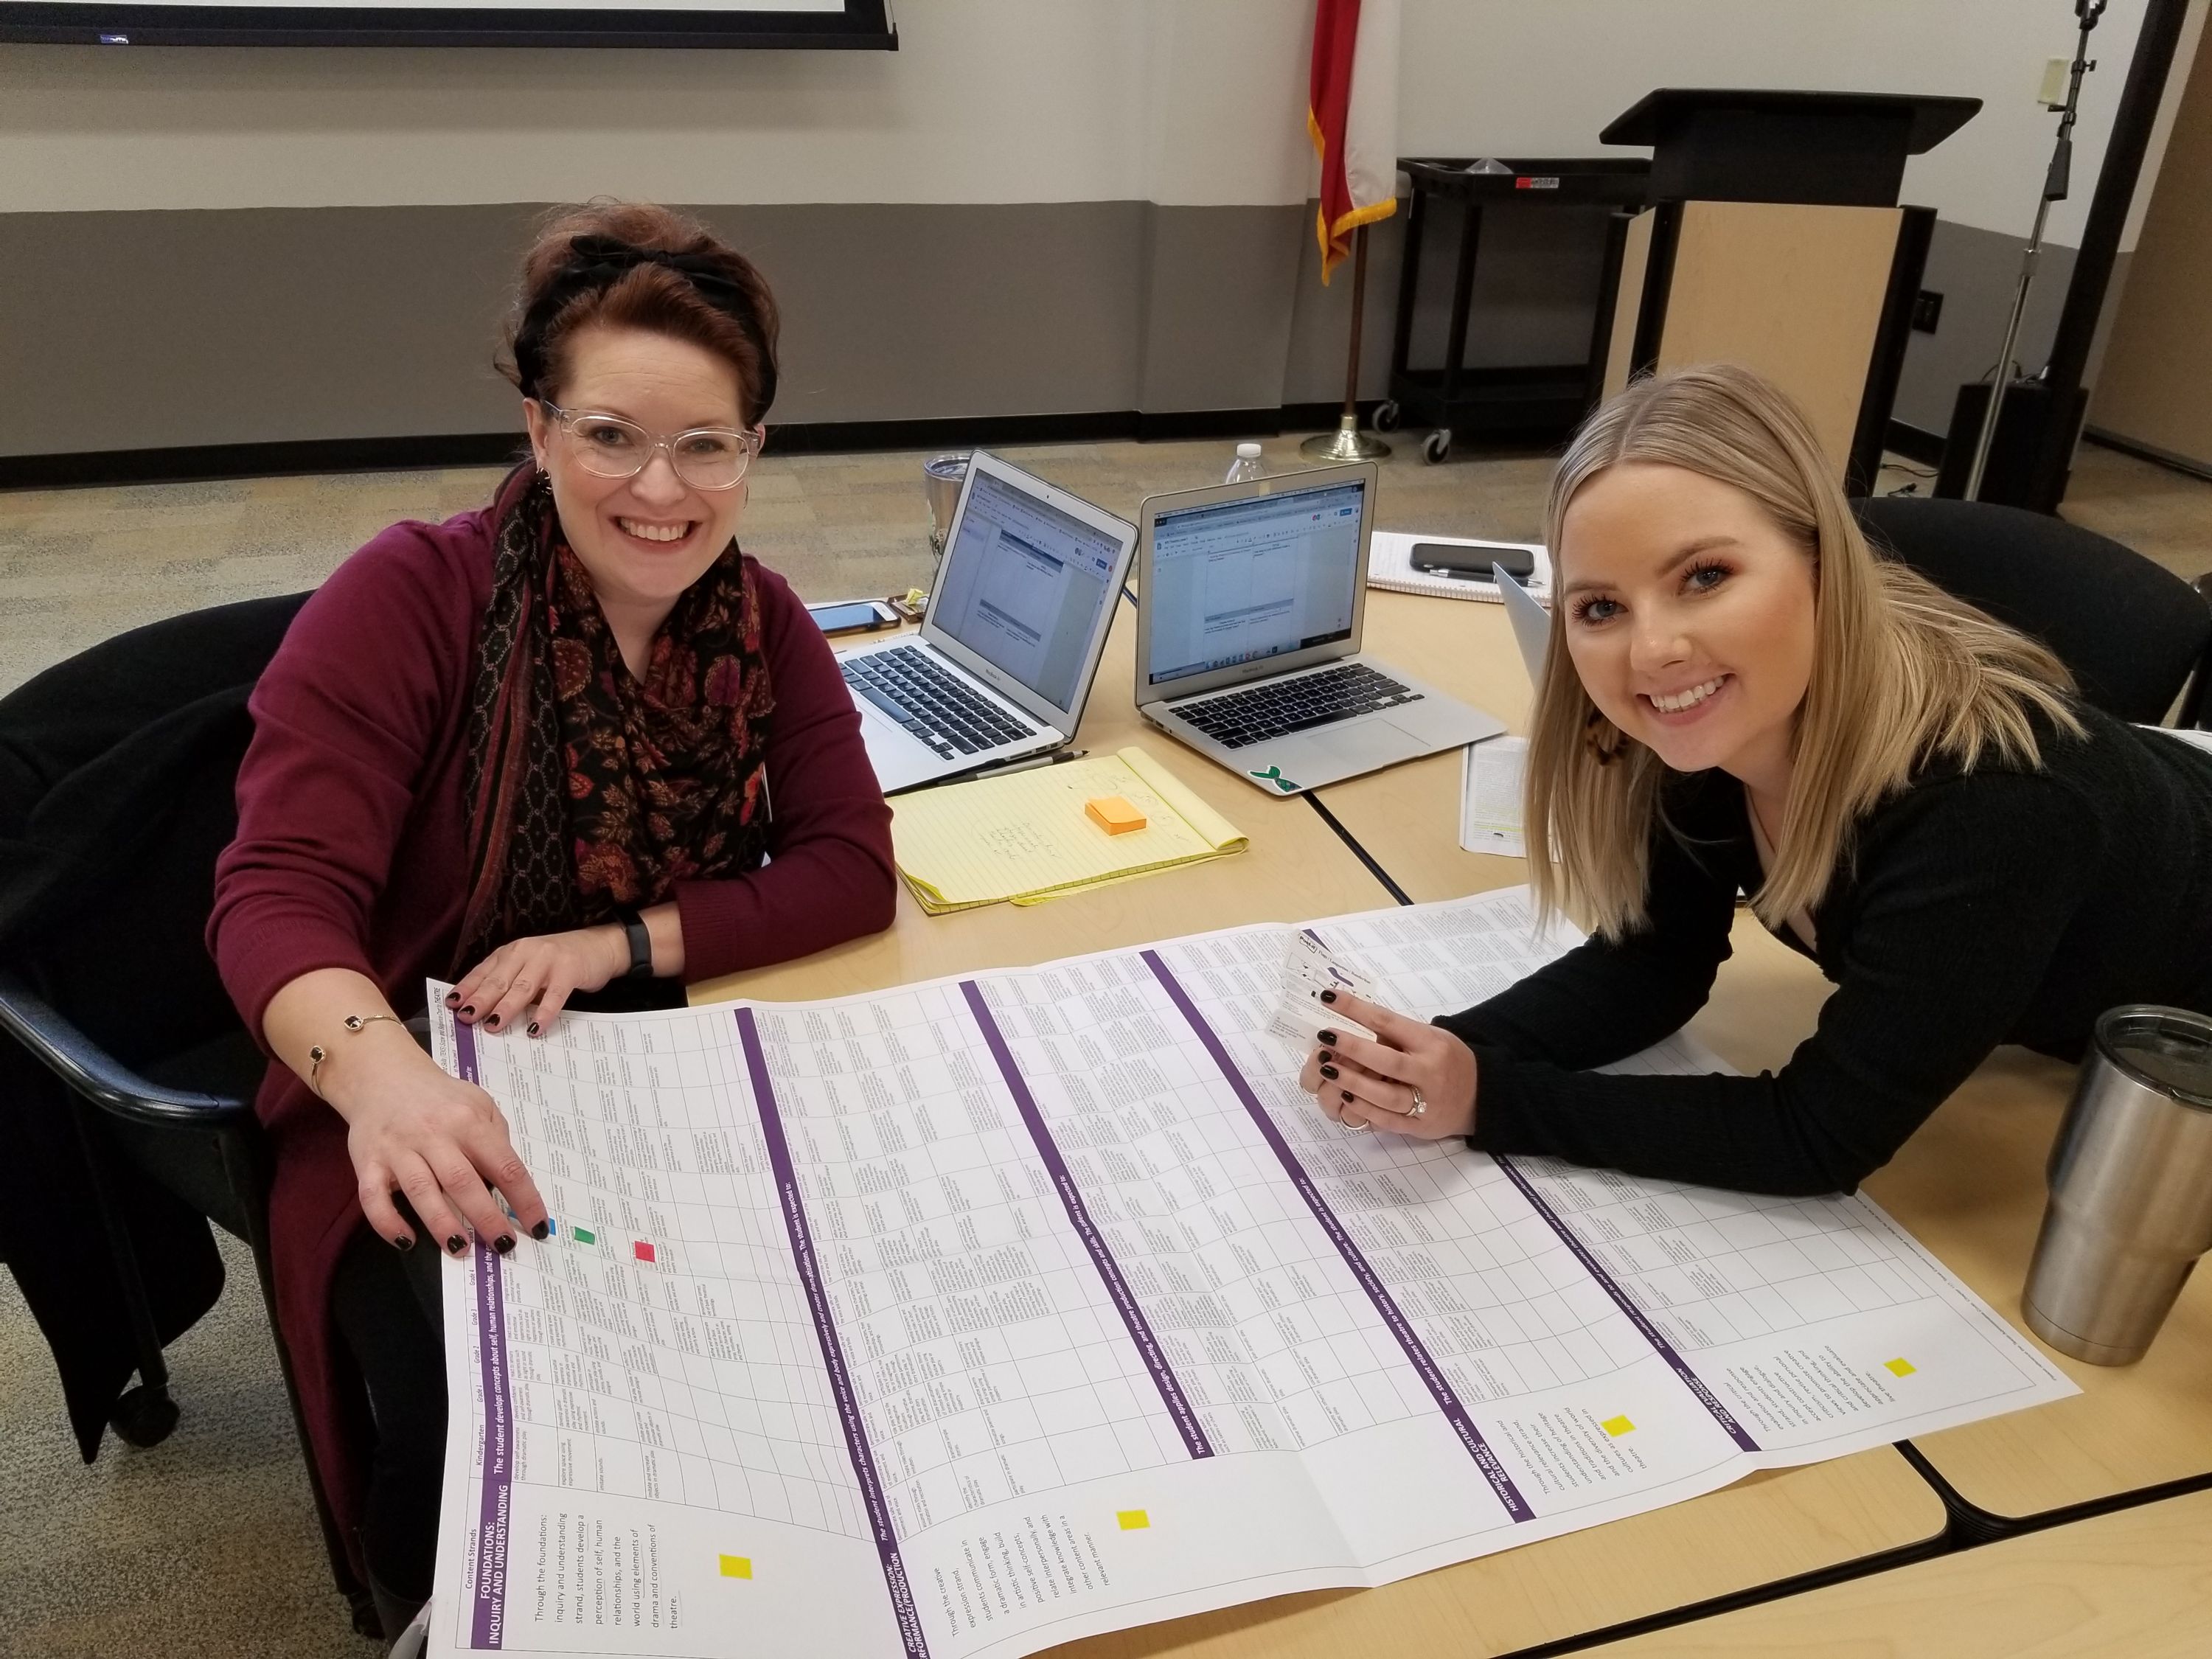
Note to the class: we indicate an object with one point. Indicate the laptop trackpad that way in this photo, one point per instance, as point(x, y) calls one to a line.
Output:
point(1367, 744)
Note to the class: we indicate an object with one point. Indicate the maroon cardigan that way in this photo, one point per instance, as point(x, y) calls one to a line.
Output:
point(351, 848)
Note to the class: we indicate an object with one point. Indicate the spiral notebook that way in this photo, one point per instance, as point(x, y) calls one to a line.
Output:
point(1390, 565)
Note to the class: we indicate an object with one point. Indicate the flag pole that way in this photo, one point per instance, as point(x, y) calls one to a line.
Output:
point(1348, 442)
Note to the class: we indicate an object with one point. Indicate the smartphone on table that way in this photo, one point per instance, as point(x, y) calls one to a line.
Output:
point(1473, 564)
point(854, 616)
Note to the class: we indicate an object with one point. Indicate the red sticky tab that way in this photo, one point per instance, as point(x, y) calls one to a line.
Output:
point(644, 1250)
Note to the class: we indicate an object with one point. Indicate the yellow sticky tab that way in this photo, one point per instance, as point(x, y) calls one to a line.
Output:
point(1616, 1426)
point(737, 1566)
point(1899, 1367)
point(1133, 1520)
point(1113, 814)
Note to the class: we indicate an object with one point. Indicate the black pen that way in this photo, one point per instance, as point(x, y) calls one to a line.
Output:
point(1031, 765)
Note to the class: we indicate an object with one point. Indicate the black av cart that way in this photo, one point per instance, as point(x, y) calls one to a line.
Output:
point(1453, 398)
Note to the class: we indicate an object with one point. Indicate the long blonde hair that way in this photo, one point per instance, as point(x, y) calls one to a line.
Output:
point(1902, 671)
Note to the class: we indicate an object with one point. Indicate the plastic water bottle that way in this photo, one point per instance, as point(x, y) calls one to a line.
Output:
point(1246, 466)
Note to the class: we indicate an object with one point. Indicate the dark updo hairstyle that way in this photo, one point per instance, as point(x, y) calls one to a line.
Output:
point(630, 265)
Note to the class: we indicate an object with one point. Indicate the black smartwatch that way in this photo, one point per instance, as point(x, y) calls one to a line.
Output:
point(640, 943)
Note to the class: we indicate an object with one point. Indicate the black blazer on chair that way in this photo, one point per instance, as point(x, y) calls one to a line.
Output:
point(117, 772)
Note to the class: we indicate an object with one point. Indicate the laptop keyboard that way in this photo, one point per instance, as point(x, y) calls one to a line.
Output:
point(1239, 717)
point(934, 705)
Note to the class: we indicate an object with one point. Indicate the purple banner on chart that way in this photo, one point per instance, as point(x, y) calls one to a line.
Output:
point(1079, 1216)
point(488, 1568)
point(833, 1354)
point(1595, 1268)
point(1439, 1386)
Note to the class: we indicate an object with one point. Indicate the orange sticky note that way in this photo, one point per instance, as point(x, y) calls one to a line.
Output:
point(1113, 814)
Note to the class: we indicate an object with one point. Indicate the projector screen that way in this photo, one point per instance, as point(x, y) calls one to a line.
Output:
point(780, 24)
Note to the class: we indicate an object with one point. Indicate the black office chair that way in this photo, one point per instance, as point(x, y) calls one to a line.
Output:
point(116, 771)
point(2134, 635)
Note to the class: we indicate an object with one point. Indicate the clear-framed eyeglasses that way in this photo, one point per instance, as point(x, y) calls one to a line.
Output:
point(705, 456)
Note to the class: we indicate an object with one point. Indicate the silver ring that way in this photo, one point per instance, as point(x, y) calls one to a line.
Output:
point(1420, 1106)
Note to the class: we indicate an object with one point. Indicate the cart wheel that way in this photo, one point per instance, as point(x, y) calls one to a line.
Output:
point(1387, 416)
point(143, 1417)
point(1437, 445)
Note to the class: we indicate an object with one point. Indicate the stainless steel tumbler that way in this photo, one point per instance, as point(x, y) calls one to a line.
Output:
point(2130, 1205)
point(942, 476)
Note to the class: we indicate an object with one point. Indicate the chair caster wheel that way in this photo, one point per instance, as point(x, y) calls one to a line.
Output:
point(1387, 416)
point(143, 1417)
point(1437, 445)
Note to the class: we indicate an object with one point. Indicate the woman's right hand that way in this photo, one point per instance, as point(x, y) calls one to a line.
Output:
point(411, 1129)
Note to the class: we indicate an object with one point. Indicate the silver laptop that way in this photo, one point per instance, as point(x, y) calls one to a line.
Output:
point(1532, 626)
point(1010, 644)
point(1250, 601)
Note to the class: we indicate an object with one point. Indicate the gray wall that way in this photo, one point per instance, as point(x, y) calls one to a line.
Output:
point(128, 331)
point(1975, 270)
point(148, 329)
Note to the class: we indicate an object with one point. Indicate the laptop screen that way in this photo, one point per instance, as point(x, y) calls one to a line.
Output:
point(1024, 586)
point(1235, 582)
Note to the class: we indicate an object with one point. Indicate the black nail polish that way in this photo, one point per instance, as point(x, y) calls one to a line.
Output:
point(1329, 1037)
point(1327, 1055)
point(470, 1011)
point(533, 1028)
point(491, 1022)
point(453, 999)
point(1345, 1093)
point(405, 1242)
point(1328, 996)
point(456, 1245)
point(1328, 1072)
point(540, 1231)
point(503, 1244)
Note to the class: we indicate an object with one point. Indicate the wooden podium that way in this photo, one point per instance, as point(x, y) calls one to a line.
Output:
point(1775, 241)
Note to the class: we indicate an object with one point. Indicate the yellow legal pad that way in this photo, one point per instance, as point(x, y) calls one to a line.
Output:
point(1024, 837)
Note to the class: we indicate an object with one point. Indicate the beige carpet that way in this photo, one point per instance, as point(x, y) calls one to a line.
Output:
point(208, 1543)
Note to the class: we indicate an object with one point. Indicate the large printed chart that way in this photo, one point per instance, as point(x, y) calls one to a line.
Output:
point(973, 1317)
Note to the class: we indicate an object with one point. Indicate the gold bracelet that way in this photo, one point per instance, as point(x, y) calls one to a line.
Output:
point(317, 1054)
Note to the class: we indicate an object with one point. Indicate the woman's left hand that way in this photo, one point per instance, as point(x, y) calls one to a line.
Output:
point(540, 973)
point(1377, 1085)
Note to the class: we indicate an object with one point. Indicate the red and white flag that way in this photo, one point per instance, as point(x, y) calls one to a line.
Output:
point(1352, 115)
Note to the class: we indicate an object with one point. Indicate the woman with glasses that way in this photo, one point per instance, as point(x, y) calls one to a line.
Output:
point(574, 742)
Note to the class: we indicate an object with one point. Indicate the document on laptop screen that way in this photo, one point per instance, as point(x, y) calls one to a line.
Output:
point(1023, 585)
point(1244, 579)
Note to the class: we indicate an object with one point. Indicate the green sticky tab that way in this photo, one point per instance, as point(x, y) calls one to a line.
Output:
point(584, 1234)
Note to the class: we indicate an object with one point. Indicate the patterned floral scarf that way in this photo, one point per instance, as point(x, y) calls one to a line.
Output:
point(590, 790)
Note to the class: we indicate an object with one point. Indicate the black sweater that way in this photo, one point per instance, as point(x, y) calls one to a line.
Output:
point(1995, 906)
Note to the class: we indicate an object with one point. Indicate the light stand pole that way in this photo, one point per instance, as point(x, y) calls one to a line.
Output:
point(2054, 190)
point(1348, 442)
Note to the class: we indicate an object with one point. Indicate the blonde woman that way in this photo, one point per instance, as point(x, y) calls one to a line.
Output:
point(1742, 698)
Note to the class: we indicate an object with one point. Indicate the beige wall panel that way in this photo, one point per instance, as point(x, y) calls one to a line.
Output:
point(2155, 386)
point(1628, 300)
point(1793, 291)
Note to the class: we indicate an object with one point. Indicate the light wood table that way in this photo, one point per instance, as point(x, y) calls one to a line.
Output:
point(2133, 1585)
point(1969, 1185)
point(1769, 1527)
point(1295, 869)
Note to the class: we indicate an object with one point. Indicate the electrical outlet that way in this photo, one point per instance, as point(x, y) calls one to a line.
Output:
point(1927, 310)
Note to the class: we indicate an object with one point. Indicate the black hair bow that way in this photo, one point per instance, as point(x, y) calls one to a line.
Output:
point(598, 262)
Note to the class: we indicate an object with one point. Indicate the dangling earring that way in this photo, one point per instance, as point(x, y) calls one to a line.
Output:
point(1601, 738)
